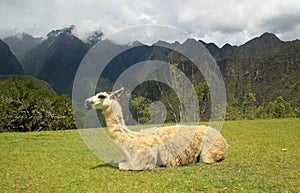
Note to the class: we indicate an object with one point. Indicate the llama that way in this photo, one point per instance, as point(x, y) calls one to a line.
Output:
point(168, 146)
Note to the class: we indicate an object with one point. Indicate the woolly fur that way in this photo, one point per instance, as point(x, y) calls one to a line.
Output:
point(166, 146)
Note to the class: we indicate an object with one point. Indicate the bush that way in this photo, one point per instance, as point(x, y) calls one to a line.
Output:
point(140, 108)
point(28, 104)
point(279, 108)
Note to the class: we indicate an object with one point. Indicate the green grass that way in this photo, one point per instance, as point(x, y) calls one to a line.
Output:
point(59, 161)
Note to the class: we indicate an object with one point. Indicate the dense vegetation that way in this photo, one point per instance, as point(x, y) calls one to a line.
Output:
point(261, 79)
point(245, 108)
point(28, 104)
point(245, 105)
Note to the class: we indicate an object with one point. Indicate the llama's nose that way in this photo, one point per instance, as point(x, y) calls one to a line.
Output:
point(88, 104)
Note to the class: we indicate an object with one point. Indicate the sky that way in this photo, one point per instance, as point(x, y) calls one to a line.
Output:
point(219, 21)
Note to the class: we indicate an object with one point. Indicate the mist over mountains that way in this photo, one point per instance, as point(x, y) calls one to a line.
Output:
point(269, 65)
point(21, 44)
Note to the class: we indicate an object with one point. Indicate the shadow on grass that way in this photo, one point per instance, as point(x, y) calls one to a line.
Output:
point(106, 165)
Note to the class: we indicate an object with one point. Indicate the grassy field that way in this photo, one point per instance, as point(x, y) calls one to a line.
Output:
point(264, 156)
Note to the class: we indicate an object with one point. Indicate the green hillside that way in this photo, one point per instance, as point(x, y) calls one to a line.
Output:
point(271, 75)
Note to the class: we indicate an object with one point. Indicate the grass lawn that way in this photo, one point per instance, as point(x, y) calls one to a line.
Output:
point(264, 156)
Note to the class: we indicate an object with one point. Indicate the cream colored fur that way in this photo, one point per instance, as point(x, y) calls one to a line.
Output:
point(166, 146)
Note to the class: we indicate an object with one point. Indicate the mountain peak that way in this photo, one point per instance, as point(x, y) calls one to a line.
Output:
point(56, 59)
point(269, 36)
point(94, 38)
point(226, 46)
point(56, 33)
point(21, 44)
point(21, 37)
point(266, 38)
point(267, 42)
point(190, 41)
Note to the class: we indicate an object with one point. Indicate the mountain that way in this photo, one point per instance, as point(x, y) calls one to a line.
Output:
point(21, 44)
point(266, 64)
point(94, 38)
point(258, 46)
point(262, 45)
point(56, 59)
point(273, 74)
point(8, 62)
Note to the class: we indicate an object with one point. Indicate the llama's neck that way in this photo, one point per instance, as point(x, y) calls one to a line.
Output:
point(116, 125)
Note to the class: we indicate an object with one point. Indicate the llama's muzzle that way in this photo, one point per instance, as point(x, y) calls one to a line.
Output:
point(89, 104)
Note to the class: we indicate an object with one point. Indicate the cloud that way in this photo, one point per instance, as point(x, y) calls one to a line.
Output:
point(283, 23)
point(148, 34)
point(219, 21)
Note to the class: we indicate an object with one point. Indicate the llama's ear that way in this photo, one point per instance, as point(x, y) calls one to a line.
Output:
point(117, 93)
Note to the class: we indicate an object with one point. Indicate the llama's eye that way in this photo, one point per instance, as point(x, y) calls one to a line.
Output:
point(101, 97)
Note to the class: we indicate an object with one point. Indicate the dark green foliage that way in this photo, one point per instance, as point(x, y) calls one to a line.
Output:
point(279, 108)
point(271, 75)
point(202, 90)
point(152, 91)
point(140, 109)
point(27, 105)
point(157, 91)
point(248, 108)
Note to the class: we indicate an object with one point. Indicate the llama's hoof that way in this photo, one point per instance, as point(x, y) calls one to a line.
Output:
point(124, 166)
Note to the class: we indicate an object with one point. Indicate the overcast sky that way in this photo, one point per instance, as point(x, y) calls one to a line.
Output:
point(218, 21)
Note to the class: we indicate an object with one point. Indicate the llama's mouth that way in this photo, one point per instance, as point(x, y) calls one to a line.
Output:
point(89, 107)
point(89, 104)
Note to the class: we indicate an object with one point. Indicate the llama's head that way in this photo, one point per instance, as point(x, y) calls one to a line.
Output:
point(102, 100)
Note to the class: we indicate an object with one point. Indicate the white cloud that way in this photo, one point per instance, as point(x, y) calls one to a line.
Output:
point(146, 18)
point(219, 21)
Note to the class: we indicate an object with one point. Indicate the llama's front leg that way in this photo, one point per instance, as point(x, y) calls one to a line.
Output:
point(140, 160)
point(145, 160)
point(125, 166)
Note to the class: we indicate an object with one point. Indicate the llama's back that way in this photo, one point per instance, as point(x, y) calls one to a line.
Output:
point(196, 143)
point(182, 144)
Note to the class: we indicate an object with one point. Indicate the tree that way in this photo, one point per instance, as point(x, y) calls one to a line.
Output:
point(249, 106)
point(279, 108)
point(28, 104)
point(140, 109)
point(202, 90)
